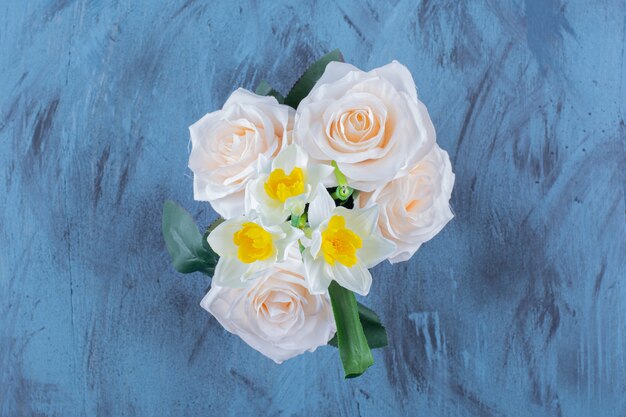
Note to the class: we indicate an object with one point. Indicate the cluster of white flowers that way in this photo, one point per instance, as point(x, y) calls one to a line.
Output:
point(267, 170)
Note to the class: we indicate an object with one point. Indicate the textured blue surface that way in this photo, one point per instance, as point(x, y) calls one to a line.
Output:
point(518, 308)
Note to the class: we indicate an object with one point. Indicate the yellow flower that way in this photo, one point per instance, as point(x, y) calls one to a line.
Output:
point(285, 185)
point(340, 244)
point(247, 247)
point(343, 245)
point(281, 187)
point(253, 243)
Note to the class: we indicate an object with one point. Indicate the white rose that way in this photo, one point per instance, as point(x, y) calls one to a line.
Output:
point(414, 208)
point(370, 123)
point(276, 314)
point(227, 143)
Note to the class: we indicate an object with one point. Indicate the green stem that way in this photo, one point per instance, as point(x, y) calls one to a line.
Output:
point(303, 220)
point(299, 221)
point(343, 191)
point(341, 179)
point(295, 220)
point(355, 353)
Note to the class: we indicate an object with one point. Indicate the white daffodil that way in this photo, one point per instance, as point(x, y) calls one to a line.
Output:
point(247, 247)
point(285, 186)
point(343, 245)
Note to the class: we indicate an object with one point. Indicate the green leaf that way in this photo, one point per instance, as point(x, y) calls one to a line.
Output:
point(185, 243)
point(375, 332)
point(354, 351)
point(265, 89)
point(303, 86)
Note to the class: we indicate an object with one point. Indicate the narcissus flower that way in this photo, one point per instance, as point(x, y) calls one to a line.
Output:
point(343, 245)
point(247, 246)
point(286, 185)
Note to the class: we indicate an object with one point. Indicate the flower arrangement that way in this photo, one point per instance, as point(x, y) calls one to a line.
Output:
point(313, 188)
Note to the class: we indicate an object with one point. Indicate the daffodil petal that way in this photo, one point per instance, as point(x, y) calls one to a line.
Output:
point(221, 238)
point(318, 172)
point(255, 268)
point(291, 236)
point(316, 276)
point(360, 221)
point(289, 158)
point(264, 164)
point(375, 249)
point(296, 204)
point(316, 243)
point(321, 207)
point(274, 215)
point(357, 278)
point(230, 272)
point(250, 202)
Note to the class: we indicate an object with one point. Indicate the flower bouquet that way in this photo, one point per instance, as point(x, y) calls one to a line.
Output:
point(313, 188)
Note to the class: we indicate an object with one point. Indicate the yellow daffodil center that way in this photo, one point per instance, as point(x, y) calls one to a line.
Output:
point(340, 244)
point(281, 186)
point(254, 243)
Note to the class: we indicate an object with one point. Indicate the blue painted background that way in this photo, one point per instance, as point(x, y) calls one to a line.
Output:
point(518, 308)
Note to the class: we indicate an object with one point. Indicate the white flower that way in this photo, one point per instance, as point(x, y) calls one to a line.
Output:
point(285, 186)
point(414, 208)
point(246, 247)
point(370, 123)
point(344, 244)
point(227, 143)
point(276, 314)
